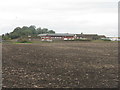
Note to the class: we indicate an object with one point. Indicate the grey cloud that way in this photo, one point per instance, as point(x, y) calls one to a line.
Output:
point(71, 16)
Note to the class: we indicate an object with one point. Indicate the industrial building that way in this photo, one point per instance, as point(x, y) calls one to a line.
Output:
point(67, 36)
point(57, 36)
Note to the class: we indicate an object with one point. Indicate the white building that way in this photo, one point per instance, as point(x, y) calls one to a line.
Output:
point(114, 38)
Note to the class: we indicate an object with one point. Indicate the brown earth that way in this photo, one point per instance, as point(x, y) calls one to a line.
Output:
point(63, 64)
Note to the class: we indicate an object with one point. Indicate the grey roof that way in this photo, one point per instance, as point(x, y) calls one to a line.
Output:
point(57, 34)
point(86, 34)
point(101, 35)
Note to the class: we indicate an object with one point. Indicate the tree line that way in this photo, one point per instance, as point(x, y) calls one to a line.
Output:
point(26, 31)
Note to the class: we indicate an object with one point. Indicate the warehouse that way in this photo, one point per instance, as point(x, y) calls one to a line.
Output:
point(57, 36)
point(89, 36)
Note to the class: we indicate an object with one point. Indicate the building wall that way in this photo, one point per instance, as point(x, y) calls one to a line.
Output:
point(91, 37)
point(114, 38)
point(76, 36)
point(48, 38)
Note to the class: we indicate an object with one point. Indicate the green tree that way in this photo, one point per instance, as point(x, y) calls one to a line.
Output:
point(39, 30)
point(51, 31)
point(25, 31)
point(17, 29)
point(44, 30)
point(14, 35)
point(32, 29)
point(6, 36)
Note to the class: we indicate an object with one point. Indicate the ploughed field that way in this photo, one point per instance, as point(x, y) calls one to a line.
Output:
point(61, 64)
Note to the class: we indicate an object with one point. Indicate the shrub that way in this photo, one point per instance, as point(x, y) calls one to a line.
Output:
point(82, 40)
point(106, 39)
point(22, 40)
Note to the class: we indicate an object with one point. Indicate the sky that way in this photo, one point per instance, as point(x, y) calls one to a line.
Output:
point(63, 16)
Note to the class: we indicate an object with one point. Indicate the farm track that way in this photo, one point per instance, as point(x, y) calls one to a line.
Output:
point(64, 64)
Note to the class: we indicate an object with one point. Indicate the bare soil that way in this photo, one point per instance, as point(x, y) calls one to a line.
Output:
point(61, 64)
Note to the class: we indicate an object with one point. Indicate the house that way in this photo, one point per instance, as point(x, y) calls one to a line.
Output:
point(56, 36)
point(102, 36)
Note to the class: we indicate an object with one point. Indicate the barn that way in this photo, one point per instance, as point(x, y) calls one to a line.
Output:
point(56, 37)
point(87, 36)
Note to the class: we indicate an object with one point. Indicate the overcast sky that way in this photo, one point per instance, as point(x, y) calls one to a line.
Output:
point(63, 16)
